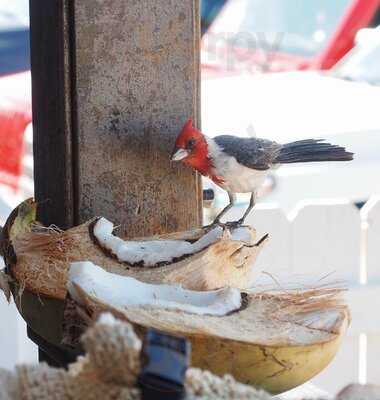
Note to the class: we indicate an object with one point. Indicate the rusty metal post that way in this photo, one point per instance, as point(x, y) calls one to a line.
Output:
point(137, 74)
point(113, 81)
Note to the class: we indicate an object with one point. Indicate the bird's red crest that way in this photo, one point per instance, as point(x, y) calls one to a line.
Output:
point(187, 133)
point(195, 144)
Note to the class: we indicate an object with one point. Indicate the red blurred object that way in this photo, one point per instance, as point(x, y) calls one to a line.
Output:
point(15, 115)
point(359, 15)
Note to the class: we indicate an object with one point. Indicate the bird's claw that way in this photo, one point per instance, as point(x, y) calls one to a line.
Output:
point(234, 224)
point(225, 225)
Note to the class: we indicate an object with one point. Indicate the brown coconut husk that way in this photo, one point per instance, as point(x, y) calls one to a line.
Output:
point(38, 257)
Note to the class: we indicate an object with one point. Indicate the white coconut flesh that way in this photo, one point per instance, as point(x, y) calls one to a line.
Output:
point(121, 292)
point(153, 252)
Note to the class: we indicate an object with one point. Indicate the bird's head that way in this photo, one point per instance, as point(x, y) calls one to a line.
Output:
point(191, 148)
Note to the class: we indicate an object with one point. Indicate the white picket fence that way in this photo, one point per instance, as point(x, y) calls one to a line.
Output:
point(331, 236)
point(315, 239)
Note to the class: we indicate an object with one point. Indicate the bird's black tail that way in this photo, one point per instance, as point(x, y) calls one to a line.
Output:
point(312, 150)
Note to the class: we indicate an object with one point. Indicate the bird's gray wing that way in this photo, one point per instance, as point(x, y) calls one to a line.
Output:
point(251, 152)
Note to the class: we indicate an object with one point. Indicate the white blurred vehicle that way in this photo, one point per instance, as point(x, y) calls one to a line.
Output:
point(341, 106)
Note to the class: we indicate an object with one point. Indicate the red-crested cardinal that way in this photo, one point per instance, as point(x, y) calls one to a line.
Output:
point(240, 165)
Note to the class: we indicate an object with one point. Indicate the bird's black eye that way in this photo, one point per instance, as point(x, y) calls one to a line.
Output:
point(190, 144)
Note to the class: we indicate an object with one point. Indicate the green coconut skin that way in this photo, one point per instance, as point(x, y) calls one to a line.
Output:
point(274, 369)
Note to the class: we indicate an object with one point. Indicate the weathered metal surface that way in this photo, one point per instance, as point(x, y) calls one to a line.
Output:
point(137, 72)
point(50, 35)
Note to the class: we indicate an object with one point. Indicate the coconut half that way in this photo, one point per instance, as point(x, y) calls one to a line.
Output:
point(123, 291)
point(274, 341)
point(38, 257)
point(152, 253)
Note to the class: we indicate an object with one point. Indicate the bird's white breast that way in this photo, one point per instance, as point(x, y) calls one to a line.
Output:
point(236, 177)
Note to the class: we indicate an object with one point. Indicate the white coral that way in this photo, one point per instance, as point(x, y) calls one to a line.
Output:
point(109, 371)
point(204, 385)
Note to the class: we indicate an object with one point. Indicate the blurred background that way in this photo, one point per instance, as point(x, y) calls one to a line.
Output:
point(288, 70)
point(278, 69)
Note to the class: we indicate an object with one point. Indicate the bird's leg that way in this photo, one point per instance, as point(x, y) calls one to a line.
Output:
point(248, 210)
point(216, 221)
point(240, 221)
point(232, 199)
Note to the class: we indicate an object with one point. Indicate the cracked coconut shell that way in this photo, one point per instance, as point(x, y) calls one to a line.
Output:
point(275, 341)
point(38, 257)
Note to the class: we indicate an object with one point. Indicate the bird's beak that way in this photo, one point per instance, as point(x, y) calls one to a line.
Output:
point(179, 154)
